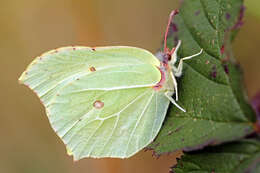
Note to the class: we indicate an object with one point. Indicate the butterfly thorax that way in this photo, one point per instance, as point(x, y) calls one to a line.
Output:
point(166, 82)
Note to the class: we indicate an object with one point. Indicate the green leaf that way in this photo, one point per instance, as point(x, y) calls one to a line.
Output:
point(210, 88)
point(239, 157)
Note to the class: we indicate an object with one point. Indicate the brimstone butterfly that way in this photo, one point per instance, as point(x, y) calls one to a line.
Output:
point(106, 101)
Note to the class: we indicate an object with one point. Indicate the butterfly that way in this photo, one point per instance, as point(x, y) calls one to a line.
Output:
point(106, 101)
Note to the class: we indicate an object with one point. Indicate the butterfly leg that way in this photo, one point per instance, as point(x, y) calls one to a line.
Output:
point(174, 53)
point(175, 86)
point(168, 95)
point(178, 70)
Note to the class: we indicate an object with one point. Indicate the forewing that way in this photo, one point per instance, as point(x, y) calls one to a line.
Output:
point(70, 80)
point(129, 120)
point(100, 68)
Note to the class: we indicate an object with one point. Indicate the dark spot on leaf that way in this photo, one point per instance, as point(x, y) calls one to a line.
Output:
point(213, 72)
point(56, 51)
point(58, 95)
point(197, 13)
point(174, 27)
point(98, 104)
point(77, 79)
point(222, 49)
point(228, 16)
point(170, 133)
point(240, 22)
point(226, 68)
point(73, 48)
point(178, 129)
point(92, 69)
point(182, 139)
point(93, 49)
point(256, 105)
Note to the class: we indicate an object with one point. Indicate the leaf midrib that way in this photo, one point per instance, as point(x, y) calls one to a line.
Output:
point(206, 119)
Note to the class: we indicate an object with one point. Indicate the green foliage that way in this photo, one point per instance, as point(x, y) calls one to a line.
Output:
point(239, 157)
point(210, 88)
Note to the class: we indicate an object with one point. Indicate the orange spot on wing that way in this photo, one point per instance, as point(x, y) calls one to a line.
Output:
point(92, 69)
point(98, 104)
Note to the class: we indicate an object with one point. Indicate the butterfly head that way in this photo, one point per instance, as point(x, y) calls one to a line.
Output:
point(166, 56)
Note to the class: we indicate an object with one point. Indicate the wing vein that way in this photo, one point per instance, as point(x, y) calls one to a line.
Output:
point(156, 110)
point(118, 116)
point(77, 121)
point(82, 150)
point(138, 121)
point(81, 118)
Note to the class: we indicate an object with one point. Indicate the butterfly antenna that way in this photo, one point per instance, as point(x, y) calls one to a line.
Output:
point(173, 13)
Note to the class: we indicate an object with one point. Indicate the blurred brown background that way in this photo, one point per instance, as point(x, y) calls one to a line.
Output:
point(31, 27)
